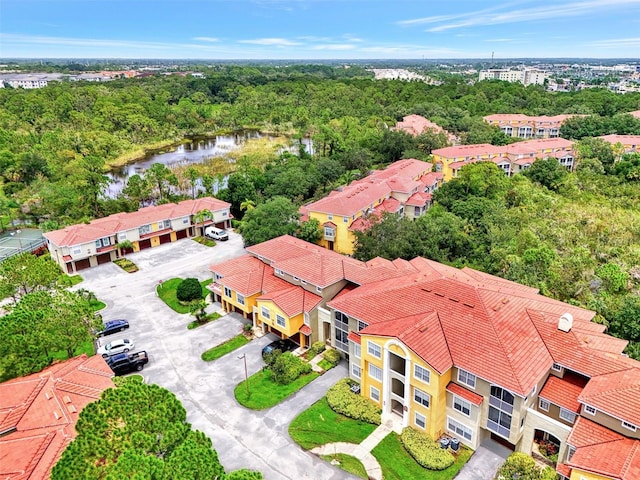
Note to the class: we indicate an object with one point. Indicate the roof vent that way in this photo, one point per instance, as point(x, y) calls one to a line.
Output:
point(565, 322)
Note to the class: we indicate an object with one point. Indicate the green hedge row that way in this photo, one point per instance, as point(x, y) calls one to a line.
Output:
point(316, 348)
point(342, 400)
point(425, 450)
point(287, 367)
point(332, 356)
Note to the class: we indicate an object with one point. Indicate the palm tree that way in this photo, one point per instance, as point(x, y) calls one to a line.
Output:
point(201, 217)
point(123, 246)
point(247, 205)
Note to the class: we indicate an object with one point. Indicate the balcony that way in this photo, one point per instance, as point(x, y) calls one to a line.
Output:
point(397, 364)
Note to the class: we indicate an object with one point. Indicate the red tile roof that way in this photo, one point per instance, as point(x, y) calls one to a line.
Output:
point(464, 393)
point(293, 300)
point(519, 118)
point(468, 150)
point(305, 330)
point(40, 412)
point(564, 391)
point(635, 113)
point(417, 124)
point(108, 226)
point(623, 139)
point(604, 452)
point(616, 393)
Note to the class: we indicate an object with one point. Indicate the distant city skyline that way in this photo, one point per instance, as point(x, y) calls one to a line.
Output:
point(319, 29)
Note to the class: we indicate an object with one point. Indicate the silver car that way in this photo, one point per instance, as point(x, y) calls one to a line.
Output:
point(120, 345)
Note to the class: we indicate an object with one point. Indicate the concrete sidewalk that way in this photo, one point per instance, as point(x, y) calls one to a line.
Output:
point(485, 461)
point(361, 451)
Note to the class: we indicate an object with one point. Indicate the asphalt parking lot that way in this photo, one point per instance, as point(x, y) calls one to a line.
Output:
point(243, 438)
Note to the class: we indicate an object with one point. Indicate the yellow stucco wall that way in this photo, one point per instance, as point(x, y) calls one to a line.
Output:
point(249, 302)
point(343, 241)
point(292, 324)
point(577, 474)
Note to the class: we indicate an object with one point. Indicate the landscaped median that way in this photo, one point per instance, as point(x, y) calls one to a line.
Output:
point(224, 348)
point(167, 291)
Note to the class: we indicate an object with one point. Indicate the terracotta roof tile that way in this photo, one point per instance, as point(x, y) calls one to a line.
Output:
point(616, 393)
point(305, 330)
point(564, 391)
point(464, 393)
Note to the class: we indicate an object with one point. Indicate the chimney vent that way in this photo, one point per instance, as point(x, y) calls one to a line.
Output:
point(565, 322)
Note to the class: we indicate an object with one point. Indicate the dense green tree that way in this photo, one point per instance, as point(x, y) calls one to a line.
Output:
point(276, 217)
point(25, 273)
point(547, 172)
point(310, 231)
point(162, 178)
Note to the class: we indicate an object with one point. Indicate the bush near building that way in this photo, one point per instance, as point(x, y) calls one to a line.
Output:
point(426, 451)
point(521, 466)
point(189, 290)
point(342, 400)
point(287, 368)
point(332, 356)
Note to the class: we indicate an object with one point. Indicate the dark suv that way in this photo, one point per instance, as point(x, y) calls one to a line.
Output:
point(284, 345)
point(127, 362)
point(113, 326)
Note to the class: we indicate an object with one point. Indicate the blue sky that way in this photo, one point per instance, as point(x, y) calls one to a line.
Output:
point(319, 29)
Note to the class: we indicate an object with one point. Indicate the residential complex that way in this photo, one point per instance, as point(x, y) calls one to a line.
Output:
point(416, 125)
point(511, 159)
point(87, 245)
point(625, 143)
point(453, 351)
point(404, 187)
point(526, 76)
point(38, 414)
point(524, 126)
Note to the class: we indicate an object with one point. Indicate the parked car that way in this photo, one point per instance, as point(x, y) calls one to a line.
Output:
point(128, 362)
point(121, 345)
point(113, 326)
point(284, 345)
point(216, 233)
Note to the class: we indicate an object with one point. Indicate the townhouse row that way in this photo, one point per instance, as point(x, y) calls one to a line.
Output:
point(87, 245)
point(453, 352)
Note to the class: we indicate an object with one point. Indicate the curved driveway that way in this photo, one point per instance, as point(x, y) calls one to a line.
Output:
point(243, 438)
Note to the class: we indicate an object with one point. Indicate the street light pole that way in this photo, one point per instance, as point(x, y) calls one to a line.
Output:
point(246, 374)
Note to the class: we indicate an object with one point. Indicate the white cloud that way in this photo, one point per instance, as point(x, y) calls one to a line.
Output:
point(206, 39)
point(276, 42)
point(616, 43)
point(334, 46)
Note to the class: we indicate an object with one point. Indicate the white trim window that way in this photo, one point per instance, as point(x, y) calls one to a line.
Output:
point(469, 379)
point(459, 429)
point(421, 397)
point(421, 373)
point(374, 393)
point(375, 372)
point(357, 350)
point(556, 367)
point(264, 311)
point(590, 410)
point(462, 405)
point(76, 250)
point(362, 325)
point(420, 420)
point(240, 298)
point(227, 292)
point(374, 349)
point(567, 415)
point(356, 371)
point(122, 236)
point(543, 404)
point(629, 426)
point(280, 320)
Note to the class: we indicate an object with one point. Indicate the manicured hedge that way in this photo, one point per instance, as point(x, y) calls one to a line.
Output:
point(332, 356)
point(425, 450)
point(188, 290)
point(342, 400)
point(287, 367)
point(316, 348)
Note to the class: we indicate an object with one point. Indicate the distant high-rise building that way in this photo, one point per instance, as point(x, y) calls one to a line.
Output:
point(526, 76)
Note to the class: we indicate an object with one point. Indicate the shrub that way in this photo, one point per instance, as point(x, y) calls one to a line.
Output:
point(521, 465)
point(342, 400)
point(271, 357)
point(332, 356)
point(425, 450)
point(316, 348)
point(188, 290)
point(288, 367)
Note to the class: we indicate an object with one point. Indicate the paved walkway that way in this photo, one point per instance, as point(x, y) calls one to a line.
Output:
point(361, 451)
point(485, 461)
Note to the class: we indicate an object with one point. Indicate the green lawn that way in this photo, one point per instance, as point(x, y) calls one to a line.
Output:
point(264, 392)
point(84, 347)
point(207, 242)
point(348, 464)
point(224, 348)
point(398, 464)
point(167, 293)
point(204, 320)
point(97, 305)
point(318, 425)
point(69, 280)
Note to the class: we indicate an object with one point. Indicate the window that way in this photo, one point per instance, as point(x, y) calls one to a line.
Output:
point(265, 312)
point(280, 320)
point(303, 282)
point(225, 213)
point(218, 276)
point(556, 367)
point(185, 221)
point(543, 404)
point(467, 378)
point(277, 272)
point(375, 372)
point(570, 451)
point(306, 318)
point(361, 325)
point(227, 292)
point(374, 349)
point(341, 331)
point(630, 426)
point(461, 405)
point(356, 350)
point(374, 393)
point(167, 224)
point(345, 219)
point(76, 251)
point(240, 298)
point(103, 242)
point(319, 289)
point(421, 397)
point(567, 415)
point(459, 429)
point(355, 370)
point(144, 229)
point(122, 237)
point(421, 373)
point(420, 421)
point(296, 279)
point(500, 409)
point(330, 217)
point(590, 410)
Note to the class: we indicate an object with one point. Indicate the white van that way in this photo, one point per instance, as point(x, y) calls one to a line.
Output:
point(216, 233)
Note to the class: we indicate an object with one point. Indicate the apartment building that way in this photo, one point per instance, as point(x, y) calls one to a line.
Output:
point(453, 351)
point(523, 126)
point(405, 188)
point(623, 143)
point(87, 245)
point(526, 76)
point(416, 125)
point(512, 159)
